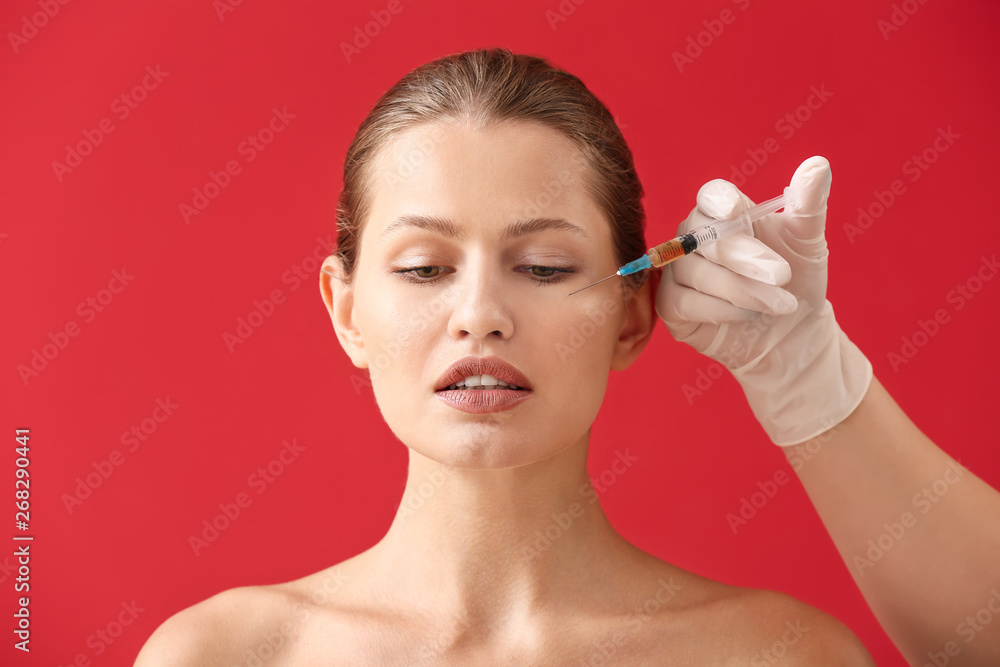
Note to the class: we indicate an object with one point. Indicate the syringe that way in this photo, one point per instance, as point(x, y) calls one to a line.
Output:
point(685, 244)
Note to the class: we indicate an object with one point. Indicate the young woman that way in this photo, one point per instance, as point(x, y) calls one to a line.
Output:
point(481, 190)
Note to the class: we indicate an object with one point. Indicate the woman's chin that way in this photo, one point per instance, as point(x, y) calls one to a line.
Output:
point(486, 453)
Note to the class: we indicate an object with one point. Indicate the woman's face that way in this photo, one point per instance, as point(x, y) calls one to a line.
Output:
point(421, 298)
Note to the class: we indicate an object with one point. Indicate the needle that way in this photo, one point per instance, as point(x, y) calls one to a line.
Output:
point(687, 243)
point(592, 284)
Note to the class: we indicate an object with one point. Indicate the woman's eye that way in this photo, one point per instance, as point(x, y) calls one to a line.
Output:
point(421, 274)
point(422, 271)
point(429, 274)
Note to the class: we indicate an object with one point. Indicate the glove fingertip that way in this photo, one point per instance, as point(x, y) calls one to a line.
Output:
point(780, 273)
point(811, 185)
point(784, 304)
point(719, 199)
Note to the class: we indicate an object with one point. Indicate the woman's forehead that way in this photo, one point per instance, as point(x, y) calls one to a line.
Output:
point(513, 170)
point(510, 150)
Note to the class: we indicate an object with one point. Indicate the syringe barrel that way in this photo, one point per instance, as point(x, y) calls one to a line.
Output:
point(685, 244)
point(720, 229)
point(672, 249)
point(708, 233)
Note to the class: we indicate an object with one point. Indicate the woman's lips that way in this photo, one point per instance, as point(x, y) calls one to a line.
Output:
point(478, 401)
point(491, 365)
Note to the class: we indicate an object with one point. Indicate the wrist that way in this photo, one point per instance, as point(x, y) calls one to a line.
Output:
point(807, 384)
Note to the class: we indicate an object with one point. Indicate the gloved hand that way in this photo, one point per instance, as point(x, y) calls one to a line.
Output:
point(757, 304)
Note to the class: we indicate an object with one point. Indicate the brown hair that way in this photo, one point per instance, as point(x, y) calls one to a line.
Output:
point(489, 86)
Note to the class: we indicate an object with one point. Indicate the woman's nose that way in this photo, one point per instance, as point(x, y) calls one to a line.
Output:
point(481, 307)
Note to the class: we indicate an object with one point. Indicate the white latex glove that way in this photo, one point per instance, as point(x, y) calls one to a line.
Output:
point(757, 304)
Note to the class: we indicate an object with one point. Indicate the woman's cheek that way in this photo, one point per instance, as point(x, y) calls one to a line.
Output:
point(387, 329)
point(585, 329)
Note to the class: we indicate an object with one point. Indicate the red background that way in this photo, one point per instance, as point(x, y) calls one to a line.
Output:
point(162, 336)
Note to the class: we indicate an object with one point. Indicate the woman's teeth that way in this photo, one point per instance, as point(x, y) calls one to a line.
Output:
point(483, 381)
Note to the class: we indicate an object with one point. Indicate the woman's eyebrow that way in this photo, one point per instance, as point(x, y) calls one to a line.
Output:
point(446, 227)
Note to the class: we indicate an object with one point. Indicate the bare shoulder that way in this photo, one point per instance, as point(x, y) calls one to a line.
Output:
point(231, 626)
point(703, 621)
point(770, 627)
point(268, 622)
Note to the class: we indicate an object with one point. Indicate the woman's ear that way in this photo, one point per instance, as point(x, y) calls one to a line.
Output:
point(338, 296)
point(639, 322)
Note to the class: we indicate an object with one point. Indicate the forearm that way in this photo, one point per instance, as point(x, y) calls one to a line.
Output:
point(919, 533)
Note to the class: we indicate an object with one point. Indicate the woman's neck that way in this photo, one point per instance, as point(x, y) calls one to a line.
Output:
point(496, 546)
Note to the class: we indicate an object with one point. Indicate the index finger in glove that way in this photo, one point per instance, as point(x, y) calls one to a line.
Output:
point(740, 253)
